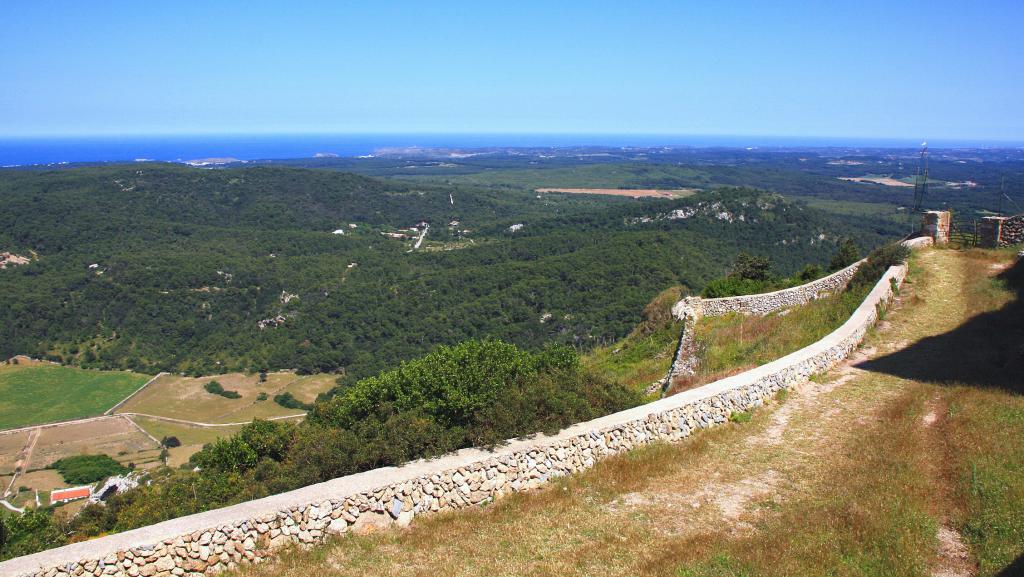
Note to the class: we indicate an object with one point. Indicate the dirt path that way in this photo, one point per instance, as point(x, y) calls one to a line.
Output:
point(23, 459)
point(624, 516)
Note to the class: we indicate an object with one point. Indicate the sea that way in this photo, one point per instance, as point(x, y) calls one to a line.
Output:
point(29, 151)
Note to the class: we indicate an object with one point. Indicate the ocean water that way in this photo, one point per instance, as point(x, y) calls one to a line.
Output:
point(30, 151)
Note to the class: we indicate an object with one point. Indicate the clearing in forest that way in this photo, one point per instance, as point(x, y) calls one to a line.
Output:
point(906, 460)
point(634, 192)
point(883, 180)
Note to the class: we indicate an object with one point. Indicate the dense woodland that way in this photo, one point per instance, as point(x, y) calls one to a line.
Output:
point(188, 261)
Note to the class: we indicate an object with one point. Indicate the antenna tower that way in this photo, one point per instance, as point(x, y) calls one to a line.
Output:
point(921, 182)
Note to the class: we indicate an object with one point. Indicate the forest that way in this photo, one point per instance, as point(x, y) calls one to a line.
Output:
point(162, 267)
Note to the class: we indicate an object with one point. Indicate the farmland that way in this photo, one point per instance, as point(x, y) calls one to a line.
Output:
point(628, 192)
point(42, 393)
point(186, 398)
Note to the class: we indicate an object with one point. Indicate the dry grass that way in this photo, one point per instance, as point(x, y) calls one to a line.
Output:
point(633, 193)
point(185, 398)
point(114, 436)
point(733, 343)
point(11, 445)
point(858, 473)
point(192, 438)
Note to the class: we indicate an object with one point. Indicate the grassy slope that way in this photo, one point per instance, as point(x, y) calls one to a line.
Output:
point(853, 475)
point(41, 393)
point(646, 354)
point(736, 342)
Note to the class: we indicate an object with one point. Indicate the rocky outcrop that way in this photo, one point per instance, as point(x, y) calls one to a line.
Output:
point(250, 532)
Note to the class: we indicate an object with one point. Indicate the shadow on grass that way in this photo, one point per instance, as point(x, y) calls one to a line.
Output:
point(1015, 569)
point(986, 351)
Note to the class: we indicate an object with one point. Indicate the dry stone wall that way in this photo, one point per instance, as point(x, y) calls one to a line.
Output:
point(209, 542)
point(764, 303)
point(1012, 231)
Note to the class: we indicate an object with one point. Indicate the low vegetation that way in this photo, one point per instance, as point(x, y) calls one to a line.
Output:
point(288, 401)
point(882, 475)
point(645, 355)
point(85, 469)
point(477, 393)
point(215, 388)
point(753, 274)
point(735, 342)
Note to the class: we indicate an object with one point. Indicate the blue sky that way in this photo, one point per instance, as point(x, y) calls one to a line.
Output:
point(845, 69)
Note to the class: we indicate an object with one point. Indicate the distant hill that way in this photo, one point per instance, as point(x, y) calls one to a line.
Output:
point(164, 267)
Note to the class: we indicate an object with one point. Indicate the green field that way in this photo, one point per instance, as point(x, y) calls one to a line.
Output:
point(37, 393)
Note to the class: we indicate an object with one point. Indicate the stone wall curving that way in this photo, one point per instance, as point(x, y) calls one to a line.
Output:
point(764, 303)
point(250, 532)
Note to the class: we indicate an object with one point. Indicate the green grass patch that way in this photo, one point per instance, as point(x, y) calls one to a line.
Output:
point(741, 417)
point(35, 394)
point(646, 354)
point(736, 341)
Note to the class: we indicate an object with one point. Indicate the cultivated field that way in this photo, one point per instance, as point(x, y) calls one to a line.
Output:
point(883, 180)
point(186, 398)
point(10, 450)
point(192, 438)
point(114, 436)
point(39, 393)
point(633, 193)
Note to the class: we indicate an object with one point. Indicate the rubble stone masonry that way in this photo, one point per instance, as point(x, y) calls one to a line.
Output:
point(215, 540)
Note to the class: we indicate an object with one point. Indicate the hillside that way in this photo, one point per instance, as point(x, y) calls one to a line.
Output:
point(156, 267)
point(904, 461)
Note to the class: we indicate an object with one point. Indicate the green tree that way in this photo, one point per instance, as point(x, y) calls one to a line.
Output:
point(846, 254)
point(751, 267)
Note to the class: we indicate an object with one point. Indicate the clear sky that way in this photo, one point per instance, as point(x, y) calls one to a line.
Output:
point(939, 69)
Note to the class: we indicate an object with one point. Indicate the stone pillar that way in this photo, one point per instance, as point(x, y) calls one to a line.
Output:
point(936, 224)
point(990, 231)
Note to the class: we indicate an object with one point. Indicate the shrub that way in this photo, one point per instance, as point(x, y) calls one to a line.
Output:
point(261, 396)
point(216, 388)
point(810, 272)
point(83, 469)
point(31, 531)
point(730, 287)
point(288, 401)
point(876, 264)
point(846, 254)
point(746, 266)
point(170, 442)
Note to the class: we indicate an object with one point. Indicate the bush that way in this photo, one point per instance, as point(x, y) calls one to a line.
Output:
point(876, 264)
point(170, 442)
point(288, 401)
point(846, 254)
point(31, 531)
point(474, 393)
point(756, 268)
point(83, 469)
point(217, 389)
point(261, 396)
point(810, 272)
point(730, 287)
